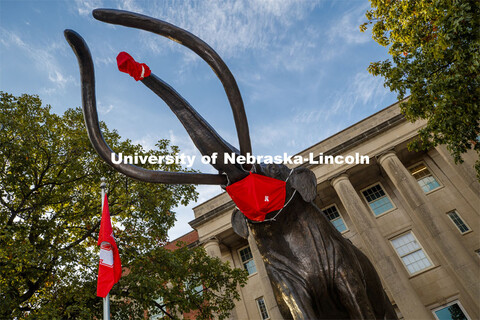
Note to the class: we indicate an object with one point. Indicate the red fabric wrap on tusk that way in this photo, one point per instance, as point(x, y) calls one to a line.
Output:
point(128, 65)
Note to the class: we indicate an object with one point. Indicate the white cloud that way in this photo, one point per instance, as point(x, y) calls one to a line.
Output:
point(230, 27)
point(85, 7)
point(278, 8)
point(102, 109)
point(311, 123)
point(348, 27)
point(367, 88)
point(309, 116)
point(282, 135)
point(105, 55)
point(130, 5)
point(105, 60)
point(43, 56)
point(297, 53)
point(58, 78)
point(363, 91)
point(147, 141)
point(184, 142)
point(345, 32)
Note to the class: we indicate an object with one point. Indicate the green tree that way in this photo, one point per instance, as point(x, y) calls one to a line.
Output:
point(435, 57)
point(50, 213)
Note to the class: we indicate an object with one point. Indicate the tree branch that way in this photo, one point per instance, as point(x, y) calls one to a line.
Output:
point(34, 286)
point(162, 307)
point(85, 236)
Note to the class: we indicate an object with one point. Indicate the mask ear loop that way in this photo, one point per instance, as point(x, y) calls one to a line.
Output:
point(254, 170)
point(289, 175)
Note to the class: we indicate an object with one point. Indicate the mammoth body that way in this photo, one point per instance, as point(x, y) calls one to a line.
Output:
point(315, 272)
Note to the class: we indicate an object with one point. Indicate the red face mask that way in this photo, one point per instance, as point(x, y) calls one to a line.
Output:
point(257, 195)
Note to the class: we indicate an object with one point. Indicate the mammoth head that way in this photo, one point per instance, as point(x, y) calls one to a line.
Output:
point(203, 135)
point(298, 180)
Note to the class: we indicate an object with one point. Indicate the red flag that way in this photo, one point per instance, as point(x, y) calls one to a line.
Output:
point(110, 267)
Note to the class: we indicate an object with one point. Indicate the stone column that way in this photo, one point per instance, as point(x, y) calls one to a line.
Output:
point(388, 266)
point(454, 257)
point(212, 247)
point(269, 296)
point(466, 172)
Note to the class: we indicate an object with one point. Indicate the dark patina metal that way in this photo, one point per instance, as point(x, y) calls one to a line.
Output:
point(315, 272)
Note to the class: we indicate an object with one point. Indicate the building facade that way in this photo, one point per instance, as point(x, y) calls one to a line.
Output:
point(414, 214)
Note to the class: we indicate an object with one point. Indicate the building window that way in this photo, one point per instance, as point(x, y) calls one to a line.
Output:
point(451, 311)
point(425, 179)
point(198, 289)
point(158, 314)
point(378, 201)
point(247, 260)
point(461, 225)
point(411, 253)
point(334, 216)
point(262, 308)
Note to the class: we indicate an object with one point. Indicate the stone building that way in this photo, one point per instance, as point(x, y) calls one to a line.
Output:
point(414, 214)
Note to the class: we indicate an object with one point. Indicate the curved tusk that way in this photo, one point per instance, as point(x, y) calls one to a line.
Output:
point(87, 74)
point(138, 21)
point(205, 138)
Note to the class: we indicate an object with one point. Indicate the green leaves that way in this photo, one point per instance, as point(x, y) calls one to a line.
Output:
point(185, 279)
point(50, 210)
point(435, 57)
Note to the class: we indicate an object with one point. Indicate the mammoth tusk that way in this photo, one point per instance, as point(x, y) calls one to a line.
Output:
point(205, 138)
point(87, 74)
point(138, 21)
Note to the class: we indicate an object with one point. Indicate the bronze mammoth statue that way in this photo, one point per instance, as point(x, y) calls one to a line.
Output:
point(315, 272)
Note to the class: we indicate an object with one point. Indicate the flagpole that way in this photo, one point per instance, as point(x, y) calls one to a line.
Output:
point(106, 300)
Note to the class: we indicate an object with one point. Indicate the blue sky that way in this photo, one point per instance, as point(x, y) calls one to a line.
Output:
point(301, 67)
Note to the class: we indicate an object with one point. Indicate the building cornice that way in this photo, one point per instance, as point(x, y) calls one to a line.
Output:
point(211, 214)
point(349, 144)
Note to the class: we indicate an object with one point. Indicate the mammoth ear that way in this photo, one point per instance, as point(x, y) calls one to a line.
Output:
point(304, 181)
point(239, 224)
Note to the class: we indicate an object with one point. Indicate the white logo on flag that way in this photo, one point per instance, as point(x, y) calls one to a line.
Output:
point(266, 199)
point(106, 254)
